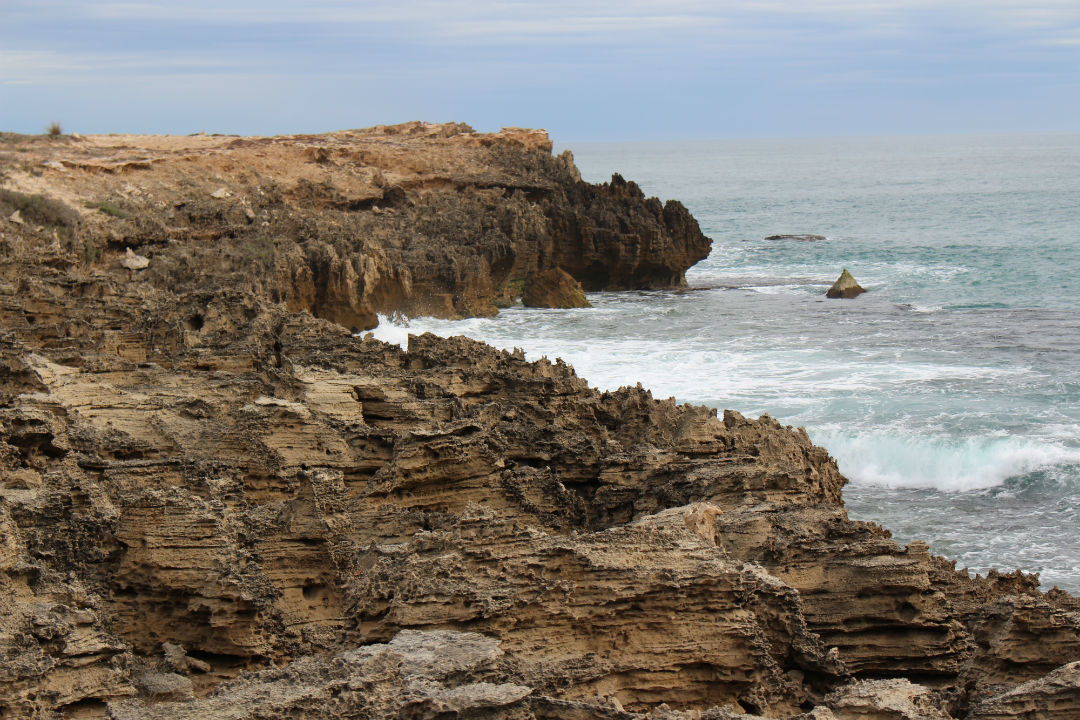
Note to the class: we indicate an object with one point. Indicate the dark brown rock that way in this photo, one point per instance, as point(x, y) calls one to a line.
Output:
point(797, 238)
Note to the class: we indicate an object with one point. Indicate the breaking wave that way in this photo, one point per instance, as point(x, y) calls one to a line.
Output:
point(942, 463)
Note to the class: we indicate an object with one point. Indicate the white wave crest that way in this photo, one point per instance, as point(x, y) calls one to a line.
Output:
point(892, 460)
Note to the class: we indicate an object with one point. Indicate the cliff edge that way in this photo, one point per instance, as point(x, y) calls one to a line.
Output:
point(418, 218)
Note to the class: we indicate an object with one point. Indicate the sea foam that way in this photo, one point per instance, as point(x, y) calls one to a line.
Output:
point(949, 464)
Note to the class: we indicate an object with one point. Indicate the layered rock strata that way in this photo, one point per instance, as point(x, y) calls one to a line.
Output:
point(212, 505)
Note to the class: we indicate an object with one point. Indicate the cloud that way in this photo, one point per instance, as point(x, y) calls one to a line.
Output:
point(525, 57)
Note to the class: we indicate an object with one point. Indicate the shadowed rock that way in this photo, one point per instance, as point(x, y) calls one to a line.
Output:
point(417, 218)
point(553, 288)
point(797, 238)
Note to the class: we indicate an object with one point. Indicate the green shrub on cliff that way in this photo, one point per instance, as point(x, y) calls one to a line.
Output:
point(109, 209)
point(260, 249)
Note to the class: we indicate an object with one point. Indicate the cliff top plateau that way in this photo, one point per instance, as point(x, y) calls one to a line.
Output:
point(218, 501)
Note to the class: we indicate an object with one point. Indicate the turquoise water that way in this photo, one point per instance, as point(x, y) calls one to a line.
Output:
point(949, 393)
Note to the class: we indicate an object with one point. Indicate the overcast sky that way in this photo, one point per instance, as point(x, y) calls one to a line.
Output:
point(625, 69)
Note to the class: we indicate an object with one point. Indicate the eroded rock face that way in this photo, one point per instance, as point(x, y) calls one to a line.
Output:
point(416, 218)
point(213, 506)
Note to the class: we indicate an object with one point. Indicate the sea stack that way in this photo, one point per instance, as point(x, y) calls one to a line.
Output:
point(845, 287)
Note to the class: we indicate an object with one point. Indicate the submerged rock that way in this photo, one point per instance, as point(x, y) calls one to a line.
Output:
point(553, 288)
point(797, 238)
point(845, 287)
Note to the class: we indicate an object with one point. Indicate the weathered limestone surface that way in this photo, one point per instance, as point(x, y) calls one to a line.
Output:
point(215, 505)
point(1055, 695)
point(417, 218)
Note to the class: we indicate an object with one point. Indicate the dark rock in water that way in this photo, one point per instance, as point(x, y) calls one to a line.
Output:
point(845, 287)
point(553, 288)
point(797, 238)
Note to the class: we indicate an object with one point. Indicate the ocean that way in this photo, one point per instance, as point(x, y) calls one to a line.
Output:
point(949, 393)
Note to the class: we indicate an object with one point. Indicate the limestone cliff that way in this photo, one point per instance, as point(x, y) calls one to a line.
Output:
point(416, 218)
point(214, 505)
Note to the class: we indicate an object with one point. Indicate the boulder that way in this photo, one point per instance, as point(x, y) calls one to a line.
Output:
point(553, 288)
point(134, 262)
point(891, 699)
point(844, 287)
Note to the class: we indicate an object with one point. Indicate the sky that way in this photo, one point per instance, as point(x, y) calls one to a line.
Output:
point(584, 70)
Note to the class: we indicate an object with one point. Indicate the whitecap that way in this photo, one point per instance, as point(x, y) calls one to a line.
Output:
point(894, 460)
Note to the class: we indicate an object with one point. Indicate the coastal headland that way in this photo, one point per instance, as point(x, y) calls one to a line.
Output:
point(217, 500)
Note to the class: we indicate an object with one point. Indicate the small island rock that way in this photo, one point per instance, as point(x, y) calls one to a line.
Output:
point(845, 287)
point(798, 238)
point(553, 288)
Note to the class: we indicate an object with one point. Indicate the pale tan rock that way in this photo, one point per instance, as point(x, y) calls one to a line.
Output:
point(894, 699)
point(417, 675)
point(166, 686)
point(134, 262)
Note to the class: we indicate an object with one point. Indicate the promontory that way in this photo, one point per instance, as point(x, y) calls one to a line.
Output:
point(220, 500)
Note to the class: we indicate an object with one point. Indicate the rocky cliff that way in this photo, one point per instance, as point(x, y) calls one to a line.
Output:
point(216, 504)
point(416, 218)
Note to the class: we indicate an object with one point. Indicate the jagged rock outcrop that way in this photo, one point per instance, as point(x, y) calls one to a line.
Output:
point(417, 218)
point(845, 287)
point(215, 505)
